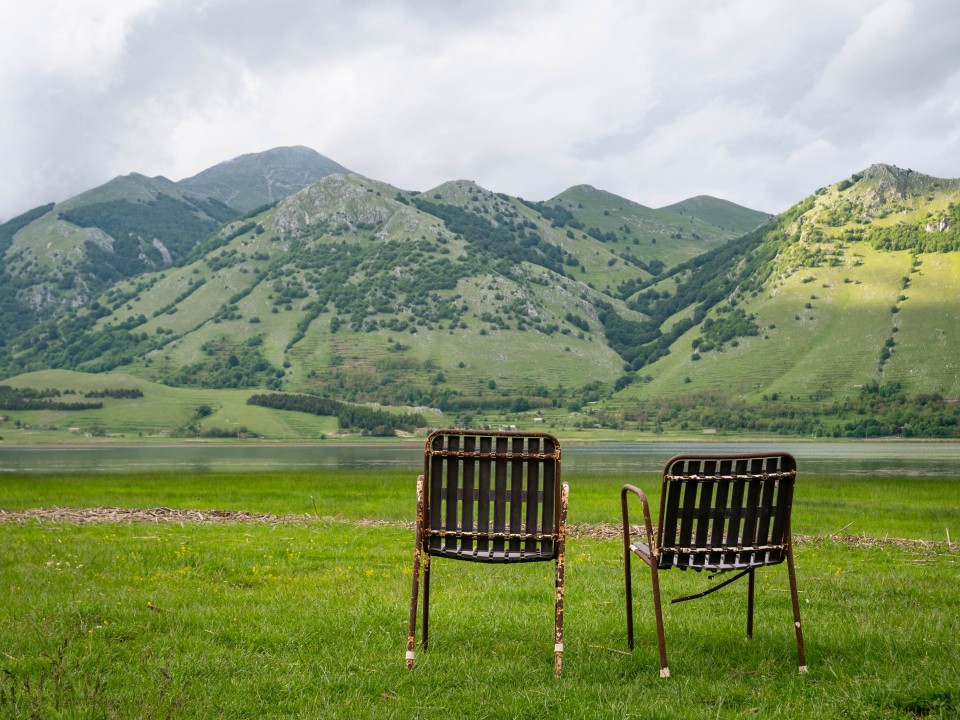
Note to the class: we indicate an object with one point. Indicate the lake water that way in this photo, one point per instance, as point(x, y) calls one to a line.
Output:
point(870, 458)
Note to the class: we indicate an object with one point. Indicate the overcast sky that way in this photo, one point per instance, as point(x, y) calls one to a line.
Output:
point(756, 101)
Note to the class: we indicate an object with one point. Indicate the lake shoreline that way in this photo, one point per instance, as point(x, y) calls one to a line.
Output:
point(419, 441)
point(837, 457)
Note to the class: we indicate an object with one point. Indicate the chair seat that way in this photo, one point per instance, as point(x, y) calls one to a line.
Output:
point(690, 563)
point(504, 556)
point(733, 558)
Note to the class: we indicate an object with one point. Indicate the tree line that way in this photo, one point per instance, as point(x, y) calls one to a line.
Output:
point(31, 399)
point(369, 420)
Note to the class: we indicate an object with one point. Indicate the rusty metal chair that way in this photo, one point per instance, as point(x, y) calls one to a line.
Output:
point(492, 497)
point(721, 514)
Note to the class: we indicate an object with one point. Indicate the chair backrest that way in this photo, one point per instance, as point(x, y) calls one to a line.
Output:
point(491, 496)
point(725, 512)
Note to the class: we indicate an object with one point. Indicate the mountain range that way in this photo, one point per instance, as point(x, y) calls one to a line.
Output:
point(283, 272)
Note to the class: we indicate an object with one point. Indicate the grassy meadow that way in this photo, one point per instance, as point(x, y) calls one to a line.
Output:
point(302, 612)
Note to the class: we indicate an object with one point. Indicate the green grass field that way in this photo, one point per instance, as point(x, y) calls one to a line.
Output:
point(914, 508)
point(303, 613)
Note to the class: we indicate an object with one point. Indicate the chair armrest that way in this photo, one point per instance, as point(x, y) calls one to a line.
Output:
point(648, 525)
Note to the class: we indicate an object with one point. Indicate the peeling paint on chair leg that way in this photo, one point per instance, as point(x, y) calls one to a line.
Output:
point(417, 558)
point(561, 567)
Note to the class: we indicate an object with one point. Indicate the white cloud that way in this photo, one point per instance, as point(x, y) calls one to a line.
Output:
point(759, 102)
point(65, 40)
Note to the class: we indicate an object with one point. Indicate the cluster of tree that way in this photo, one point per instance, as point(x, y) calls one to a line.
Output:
point(226, 259)
point(654, 267)
point(917, 238)
point(604, 237)
point(400, 380)
point(195, 430)
point(73, 343)
point(34, 393)
point(119, 393)
point(506, 245)
point(885, 409)
point(737, 267)
point(129, 256)
point(369, 420)
point(633, 285)
point(299, 403)
point(577, 321)
point(843, 212)
point(245, 228)
point(415, 385)
point(629, 338)
point(286, 290)
point(226, 234)
point(119, 295)
point(229, 365)
point(731, 323)
point(557, 214)
point(177, 224)
point(397, 281)
point(32, 399)
point(878, 411)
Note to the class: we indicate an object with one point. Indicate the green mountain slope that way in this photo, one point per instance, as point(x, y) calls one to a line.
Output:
point(837, 317)
point(61, 256)
point(831, 317)
point(256, 179)
point(720, 213)
point(65, 254)
point(355, 289)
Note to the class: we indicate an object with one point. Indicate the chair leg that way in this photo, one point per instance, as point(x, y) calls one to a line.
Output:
point(801, 655)
point(629, 588)
point(751, 583)
point(561, 567)
point(558, 607)
point(627, 553)
point(426, 602)
point(417, 558)
point(655, 578)
point(412, 631)
point(661, 640)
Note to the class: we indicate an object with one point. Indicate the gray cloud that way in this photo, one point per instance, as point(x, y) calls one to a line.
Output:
point(759, 102)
